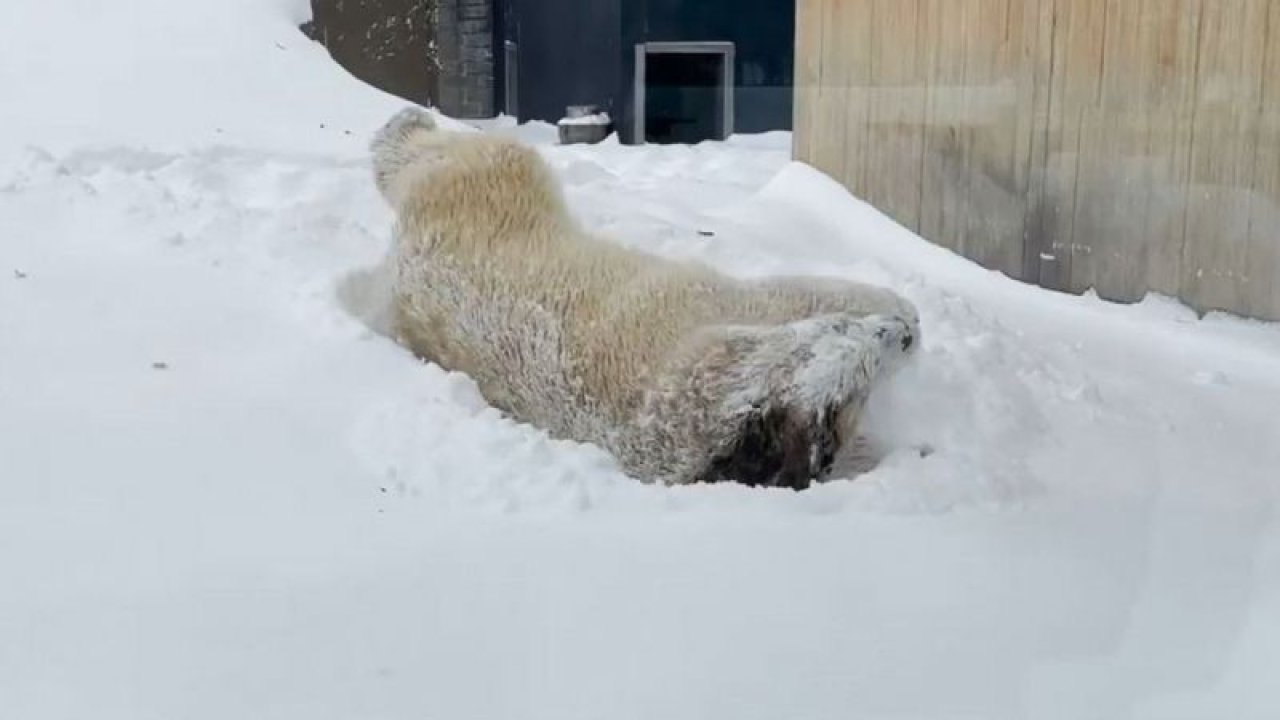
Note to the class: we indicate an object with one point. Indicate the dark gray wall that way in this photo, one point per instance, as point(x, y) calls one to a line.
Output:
point(568, 52)
point(465, 40)
point(449, 53)
point(763, 32)
point(582, 52)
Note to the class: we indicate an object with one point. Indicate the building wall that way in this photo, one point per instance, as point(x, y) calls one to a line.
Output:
point(568, 53)
point(763, 32)
point(1119, 145)
point(468, 67)
point(573, 52)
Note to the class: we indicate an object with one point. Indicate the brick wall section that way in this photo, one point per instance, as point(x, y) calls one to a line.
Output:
point(464, 38)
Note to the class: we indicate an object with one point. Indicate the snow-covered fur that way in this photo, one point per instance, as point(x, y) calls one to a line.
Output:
point(684, 374)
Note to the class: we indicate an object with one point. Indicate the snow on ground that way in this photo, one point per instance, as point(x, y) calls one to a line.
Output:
point(223, 496)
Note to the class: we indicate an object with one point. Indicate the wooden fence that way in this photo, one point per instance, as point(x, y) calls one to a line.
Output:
point(1121, 145)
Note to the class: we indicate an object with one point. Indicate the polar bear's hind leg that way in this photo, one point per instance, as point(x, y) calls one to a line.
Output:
point(778, 447)
point(810, 379)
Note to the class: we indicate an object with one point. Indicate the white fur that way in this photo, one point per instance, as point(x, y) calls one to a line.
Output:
point(660, 362)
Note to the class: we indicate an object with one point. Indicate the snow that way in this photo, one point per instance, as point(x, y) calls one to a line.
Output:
point(223, 495)
point(593, 119)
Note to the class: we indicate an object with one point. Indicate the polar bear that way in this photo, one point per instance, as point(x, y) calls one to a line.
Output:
point(685, 375)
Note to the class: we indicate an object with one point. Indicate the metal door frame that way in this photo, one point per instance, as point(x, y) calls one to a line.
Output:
point(511, 79)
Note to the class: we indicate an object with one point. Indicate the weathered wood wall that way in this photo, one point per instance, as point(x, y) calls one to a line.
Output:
point(1122, 145)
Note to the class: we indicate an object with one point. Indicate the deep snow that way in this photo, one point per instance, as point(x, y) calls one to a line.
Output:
point(222, 495)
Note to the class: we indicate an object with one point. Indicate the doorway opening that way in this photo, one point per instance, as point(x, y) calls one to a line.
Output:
point(683, 92)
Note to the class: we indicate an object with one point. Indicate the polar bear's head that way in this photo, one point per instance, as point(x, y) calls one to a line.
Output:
point(409, 138)
point(473, 187)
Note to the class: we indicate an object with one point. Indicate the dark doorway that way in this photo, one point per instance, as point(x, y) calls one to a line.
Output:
point(684, 97)
point(684, 92)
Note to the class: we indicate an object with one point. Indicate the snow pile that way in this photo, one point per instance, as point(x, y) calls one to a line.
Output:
point(592, 119)
point(223, 494)
point(176, 74)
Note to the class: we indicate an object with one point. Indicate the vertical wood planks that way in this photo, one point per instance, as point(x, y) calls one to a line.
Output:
point(1074, 129)
point(834, 128)
point(896, 95)
point(856, 48)
point(1120, 145)
point(1263, 256)
point(1165, 91)
point(942, 167)
point(1036, 89)
point(808, 73)
point(994, 205)
point(1224, 135)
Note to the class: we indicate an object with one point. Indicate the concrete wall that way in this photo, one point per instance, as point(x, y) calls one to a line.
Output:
point(763, 32)
point(465, 39)
point(569, 53)
point(1121, 145)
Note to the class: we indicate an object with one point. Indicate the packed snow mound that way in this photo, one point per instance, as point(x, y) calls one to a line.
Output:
point(188, 392)
point(175, 74)
point(224, 494)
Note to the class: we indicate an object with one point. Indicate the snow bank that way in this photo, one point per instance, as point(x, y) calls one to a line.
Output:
point(173, 74)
